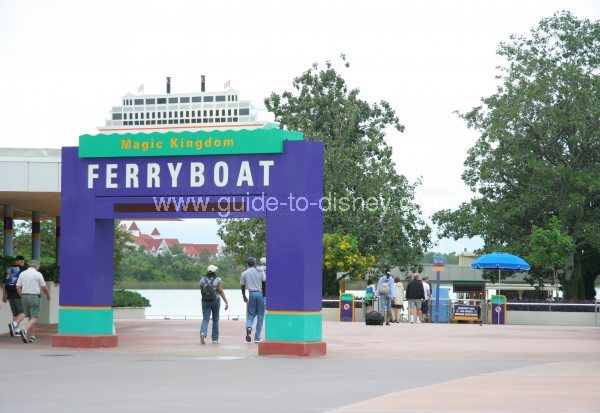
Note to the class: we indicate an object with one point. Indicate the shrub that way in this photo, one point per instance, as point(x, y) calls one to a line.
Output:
point(51, 272)
point(124, 298)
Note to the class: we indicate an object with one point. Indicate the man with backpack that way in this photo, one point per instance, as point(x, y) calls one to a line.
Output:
point(211, 288)
point(10, 294)
point(386, 293)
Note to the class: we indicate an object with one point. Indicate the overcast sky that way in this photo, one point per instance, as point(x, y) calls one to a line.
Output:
point(65, 63)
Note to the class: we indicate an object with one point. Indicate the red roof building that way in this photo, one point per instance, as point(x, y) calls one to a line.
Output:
point(154, 244)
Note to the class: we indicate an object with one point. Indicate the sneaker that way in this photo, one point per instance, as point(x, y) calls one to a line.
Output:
point(215, 341)
point(418, 321)
point(387, 324)
point(32, 339)
point(24, 336)
point(11, 329)
point(202, 338)
point(248, 333)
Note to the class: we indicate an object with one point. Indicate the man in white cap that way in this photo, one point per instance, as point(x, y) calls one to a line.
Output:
point(211, 288)
point(263, 265)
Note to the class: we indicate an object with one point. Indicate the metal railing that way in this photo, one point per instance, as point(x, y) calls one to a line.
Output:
point(191, 317)
point(484, 305)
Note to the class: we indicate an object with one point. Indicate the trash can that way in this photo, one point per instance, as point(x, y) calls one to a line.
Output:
point(498, 309)
point(346, 307)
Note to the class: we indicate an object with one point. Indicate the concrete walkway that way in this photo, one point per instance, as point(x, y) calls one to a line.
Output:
point(160, 366)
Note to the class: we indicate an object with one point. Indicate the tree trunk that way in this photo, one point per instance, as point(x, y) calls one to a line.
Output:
point(589, 271)
point(589, 286)
point(570, 282)
point(573, 286)
point(330, 285)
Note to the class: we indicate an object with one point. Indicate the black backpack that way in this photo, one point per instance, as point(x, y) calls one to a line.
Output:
point(208, 290)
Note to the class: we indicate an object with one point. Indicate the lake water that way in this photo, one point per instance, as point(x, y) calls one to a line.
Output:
point(179, 304)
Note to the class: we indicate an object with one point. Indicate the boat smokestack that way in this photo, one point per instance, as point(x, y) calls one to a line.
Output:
point(168, 85)
point(202, 83)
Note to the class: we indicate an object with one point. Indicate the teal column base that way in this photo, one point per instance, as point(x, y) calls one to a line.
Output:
point(85, 320)
point(294, 326)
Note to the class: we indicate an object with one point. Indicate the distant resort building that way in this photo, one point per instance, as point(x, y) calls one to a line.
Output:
point(155, 244)
point(466, 258)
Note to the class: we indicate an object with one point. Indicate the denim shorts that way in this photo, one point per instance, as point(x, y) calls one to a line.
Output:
point(385, 302)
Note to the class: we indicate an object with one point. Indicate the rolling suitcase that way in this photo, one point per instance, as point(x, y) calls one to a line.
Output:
point(373, 318)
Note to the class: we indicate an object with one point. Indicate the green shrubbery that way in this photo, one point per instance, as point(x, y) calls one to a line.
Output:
point(138, 267)
point(124, 298)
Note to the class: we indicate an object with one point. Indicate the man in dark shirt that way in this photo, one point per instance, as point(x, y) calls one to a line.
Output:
point(10, 294)
point(415, 293)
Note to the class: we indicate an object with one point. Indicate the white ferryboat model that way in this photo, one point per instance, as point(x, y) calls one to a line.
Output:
point(184, 111)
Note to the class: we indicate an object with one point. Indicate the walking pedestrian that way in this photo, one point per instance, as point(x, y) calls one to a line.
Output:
point(369, 296)
point(10, 294)
point(254, 279)
point(386, 292)
point(263, 267)
point(427, 297)
point(398, 304)
point(414, 296)
point(211, 288)
point(29, 286)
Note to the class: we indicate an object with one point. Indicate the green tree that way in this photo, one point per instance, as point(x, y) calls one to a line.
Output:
point(358, 167)
point(342, 256)
point(138, 267)
point(176, 250)
point(243, 238)
point(548, 251)
point(22, 240)
point(450, 259)
point(538, 154)
point(122, 244)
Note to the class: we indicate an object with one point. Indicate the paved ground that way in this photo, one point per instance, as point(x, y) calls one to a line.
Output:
point(160, 366)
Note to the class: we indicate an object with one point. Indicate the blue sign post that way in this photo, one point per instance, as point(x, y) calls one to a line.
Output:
point(438, 266)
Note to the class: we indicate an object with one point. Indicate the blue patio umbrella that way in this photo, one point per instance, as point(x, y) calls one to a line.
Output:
point(501, 261)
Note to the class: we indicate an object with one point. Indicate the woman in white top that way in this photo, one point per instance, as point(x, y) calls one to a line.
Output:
point(398, 303)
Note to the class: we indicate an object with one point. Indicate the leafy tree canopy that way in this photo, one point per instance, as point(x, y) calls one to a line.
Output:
point(342, 256)
point(22, 240)
point(538, 153)
point(548, 251)
point(450, 259)
point(243, 238)
point(358, 167)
